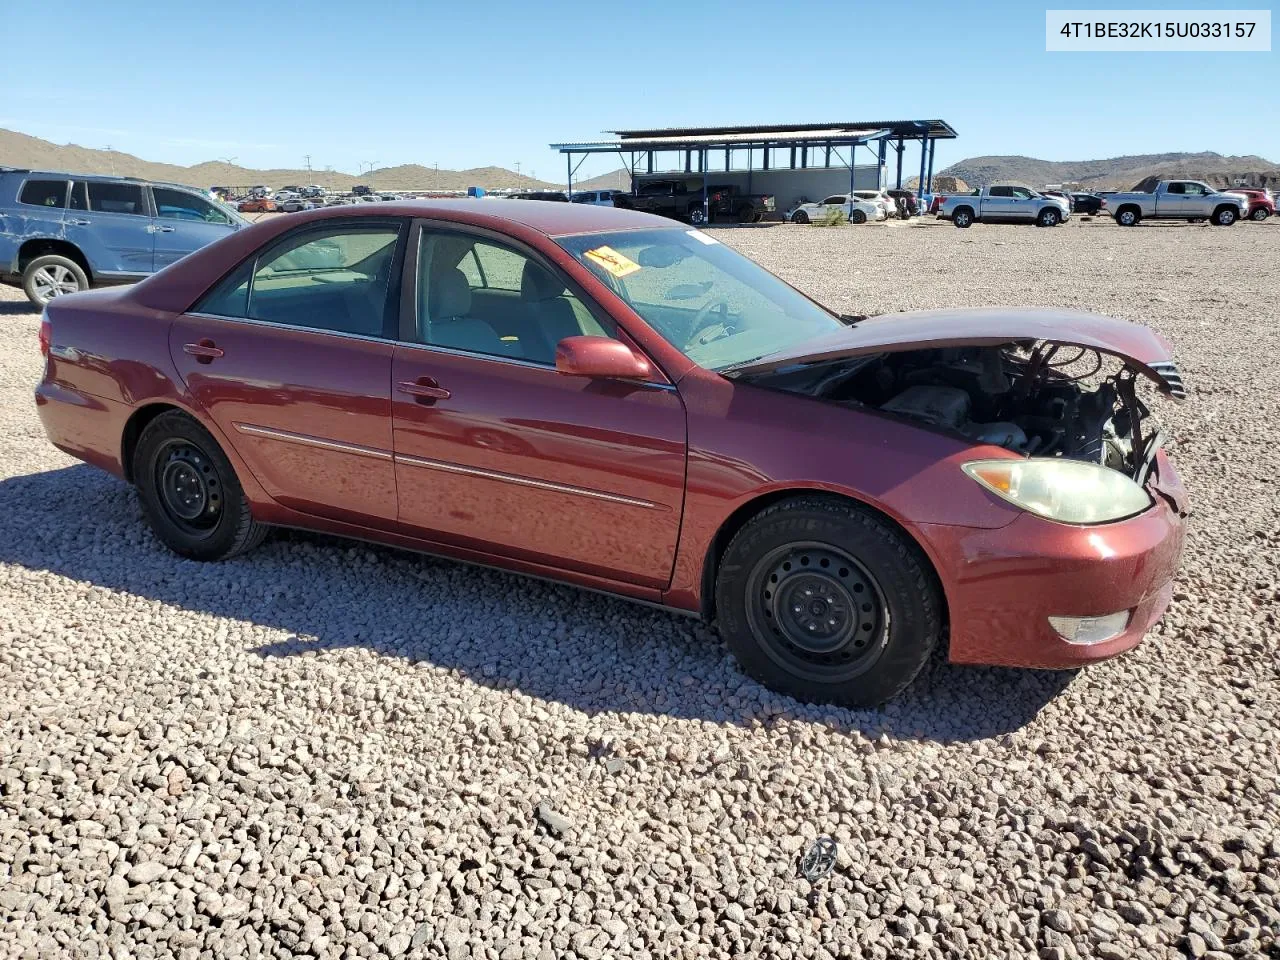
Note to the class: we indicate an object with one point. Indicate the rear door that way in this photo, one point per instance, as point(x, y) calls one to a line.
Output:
point(997, 204)
point(291, 357)
point(110, 220)
point(184, 223)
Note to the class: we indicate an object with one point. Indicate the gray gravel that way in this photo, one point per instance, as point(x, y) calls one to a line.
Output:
point(335, 750)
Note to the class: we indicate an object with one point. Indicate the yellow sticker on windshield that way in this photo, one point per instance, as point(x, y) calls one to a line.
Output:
point(612, 261)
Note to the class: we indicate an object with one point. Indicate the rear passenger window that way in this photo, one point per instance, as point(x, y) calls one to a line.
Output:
point(44, 193)
point(333, 279)
point(1000, 192)
point(116, 198)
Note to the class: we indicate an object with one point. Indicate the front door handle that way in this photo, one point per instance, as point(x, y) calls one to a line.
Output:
point(78, 223)
point(206, 351)
point(424, 389)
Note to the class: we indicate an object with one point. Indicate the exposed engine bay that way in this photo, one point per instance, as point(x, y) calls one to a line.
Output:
point(1038, 399)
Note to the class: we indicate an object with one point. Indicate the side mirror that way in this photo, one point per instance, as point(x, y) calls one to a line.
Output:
point(600, 357)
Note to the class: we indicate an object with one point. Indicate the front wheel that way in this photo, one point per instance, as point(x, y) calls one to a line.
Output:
point(1049, 217)
point(50, 276)
point(825, 601)
point(799, 217)
point(190, 492)
point(697, 215)
point(1225, 216)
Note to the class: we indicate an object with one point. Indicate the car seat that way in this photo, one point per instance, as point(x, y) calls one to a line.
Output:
point(550, 317)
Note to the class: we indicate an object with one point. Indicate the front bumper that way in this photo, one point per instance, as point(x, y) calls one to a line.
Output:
point(1002, 585)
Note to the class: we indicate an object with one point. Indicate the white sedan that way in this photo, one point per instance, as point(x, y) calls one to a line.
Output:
point(853, 209)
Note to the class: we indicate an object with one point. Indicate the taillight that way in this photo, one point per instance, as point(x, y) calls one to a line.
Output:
point(46, 334)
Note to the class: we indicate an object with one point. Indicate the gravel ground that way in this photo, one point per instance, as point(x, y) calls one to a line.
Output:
point(337, 750)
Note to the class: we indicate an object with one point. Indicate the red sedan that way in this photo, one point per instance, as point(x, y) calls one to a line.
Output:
point(605, 398)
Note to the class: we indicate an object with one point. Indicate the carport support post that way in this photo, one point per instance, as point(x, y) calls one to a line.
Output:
point(924, 150)
point(853, 150)
point(706, 207)
point(899, 149)
point(568, 165)
point(933, 146)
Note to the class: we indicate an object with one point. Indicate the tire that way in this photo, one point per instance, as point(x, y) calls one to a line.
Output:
point(190, 492)
point(1049, 217)
point(697, 216)
point(1128, 217)
point(1225, 216)
point(51, 276)
point(857, 216)
point(800, 217)
point(747, 215)
point(881, 605)
point(963, 218)
point(1259, 215)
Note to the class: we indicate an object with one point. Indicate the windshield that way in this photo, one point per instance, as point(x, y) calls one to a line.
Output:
point(710, 302)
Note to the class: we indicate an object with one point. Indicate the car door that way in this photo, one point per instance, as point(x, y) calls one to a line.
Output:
point(998, 203)
point(111, 222)
point(184, 223)
point(1173, 202)
point(291, 358)
point(1023, 204)
point(498, 452)
point(835, 202)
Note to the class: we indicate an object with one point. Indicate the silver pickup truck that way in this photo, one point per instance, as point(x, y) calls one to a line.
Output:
point(1010, 203)
point(1178, 200)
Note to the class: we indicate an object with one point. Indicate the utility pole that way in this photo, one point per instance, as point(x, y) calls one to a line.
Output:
point(517, 168)
point(308, 158)
point(111, 160)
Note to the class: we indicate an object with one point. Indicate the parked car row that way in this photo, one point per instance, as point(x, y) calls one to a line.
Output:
point(682, 198)
point(1189, 200)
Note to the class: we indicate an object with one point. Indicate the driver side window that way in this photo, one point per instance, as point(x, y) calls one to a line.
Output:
point(180, 205)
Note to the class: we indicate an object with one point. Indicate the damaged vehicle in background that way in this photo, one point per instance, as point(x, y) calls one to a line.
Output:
point(603, 398)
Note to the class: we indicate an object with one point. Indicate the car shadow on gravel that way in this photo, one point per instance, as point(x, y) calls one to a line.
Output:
point(590, 652)
point(18, 308)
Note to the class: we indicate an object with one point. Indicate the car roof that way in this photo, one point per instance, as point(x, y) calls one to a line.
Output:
point(179, 285)
point(105, 177)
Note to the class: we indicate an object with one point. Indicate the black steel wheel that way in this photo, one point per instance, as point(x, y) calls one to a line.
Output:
point(799, 217)
point(858, 216)
point(189, 487)
point(825, 600)
point(823, 610)
point(189, 490)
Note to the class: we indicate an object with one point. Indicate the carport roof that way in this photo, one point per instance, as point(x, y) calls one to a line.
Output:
point(790, 134)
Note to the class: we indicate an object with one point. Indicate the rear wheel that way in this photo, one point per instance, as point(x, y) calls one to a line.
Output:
point(1127, 217)
point(697, 215)
point(858, 216)
point(1260, 214)
point(51, 276)
point(190, 492)
point(799, 217)
point(825, 601)
point(963, 218)
point(748, 215)
point(1049, 217)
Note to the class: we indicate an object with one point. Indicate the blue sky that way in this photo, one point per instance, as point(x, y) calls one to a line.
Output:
point(473, 84)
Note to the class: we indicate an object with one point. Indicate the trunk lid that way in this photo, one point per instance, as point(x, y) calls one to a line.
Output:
point(1142, 348)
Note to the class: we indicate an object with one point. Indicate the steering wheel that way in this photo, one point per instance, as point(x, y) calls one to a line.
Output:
point(702, 320)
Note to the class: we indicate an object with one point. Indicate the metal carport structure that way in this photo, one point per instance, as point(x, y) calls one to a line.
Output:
point(798, 142)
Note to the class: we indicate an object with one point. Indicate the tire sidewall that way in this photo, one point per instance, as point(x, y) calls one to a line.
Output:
point(908, 587)
point(28, 275)
point(1049, 218)
point(1131, 221)
point(962, 219)
point(697, 216)
point(1225, 217)
point(800, 217)
point(228, 534)
point(857, 217)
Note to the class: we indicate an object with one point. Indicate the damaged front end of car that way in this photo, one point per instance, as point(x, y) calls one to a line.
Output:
point(1045, 385)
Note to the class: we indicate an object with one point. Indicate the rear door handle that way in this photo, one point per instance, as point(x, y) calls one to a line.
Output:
point(424, 389)
point(206, 351)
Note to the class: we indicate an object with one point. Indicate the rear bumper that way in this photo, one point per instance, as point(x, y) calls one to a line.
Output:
point(80, 424)
point(1002, 585)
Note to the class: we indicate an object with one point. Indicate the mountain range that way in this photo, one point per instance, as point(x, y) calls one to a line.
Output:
point(1117, 173)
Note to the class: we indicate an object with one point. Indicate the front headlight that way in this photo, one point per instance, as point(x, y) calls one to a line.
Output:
point(1068, 491)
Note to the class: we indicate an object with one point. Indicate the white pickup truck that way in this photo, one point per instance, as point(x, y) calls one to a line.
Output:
point(1010, 203)
point(1178, 200)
